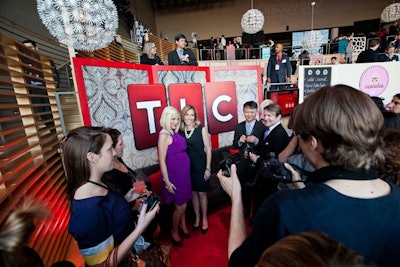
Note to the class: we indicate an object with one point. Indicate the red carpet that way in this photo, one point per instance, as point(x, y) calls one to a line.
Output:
point(209, 250)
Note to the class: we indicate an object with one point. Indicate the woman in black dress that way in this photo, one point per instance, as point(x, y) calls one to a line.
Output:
point(199, 152)
point(127, 182)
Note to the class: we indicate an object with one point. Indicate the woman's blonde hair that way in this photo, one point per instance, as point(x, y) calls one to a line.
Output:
point(166, 117)
point(196, 116)
point(148, 45)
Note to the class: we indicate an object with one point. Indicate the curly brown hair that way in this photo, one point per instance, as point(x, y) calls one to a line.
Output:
point(390, 171)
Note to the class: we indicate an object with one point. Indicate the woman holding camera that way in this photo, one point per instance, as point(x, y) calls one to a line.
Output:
point(101, 220)
point(199, 152)
point(175, 169)
point(340, 132)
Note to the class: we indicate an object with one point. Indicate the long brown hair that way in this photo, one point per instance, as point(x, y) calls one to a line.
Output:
point(78, 143)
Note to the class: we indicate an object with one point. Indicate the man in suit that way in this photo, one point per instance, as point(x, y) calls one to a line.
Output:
point(247, 138)
point(275, 139)
point(181, 56)
point(279, 68)
point(371, 54)
point(389, 54)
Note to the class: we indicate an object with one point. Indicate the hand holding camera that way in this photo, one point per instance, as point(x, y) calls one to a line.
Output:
point(151, 201)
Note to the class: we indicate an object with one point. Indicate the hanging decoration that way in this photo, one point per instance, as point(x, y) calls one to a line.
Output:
point(391, 13)
point(86, 25)
point(252, 20)
point(312, 40)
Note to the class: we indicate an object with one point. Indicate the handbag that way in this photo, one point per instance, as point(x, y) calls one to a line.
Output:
point(157, 256)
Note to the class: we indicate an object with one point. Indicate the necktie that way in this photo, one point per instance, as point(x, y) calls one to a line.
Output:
point(248, 129)
point(180, 53)
point(278, 58)
point(266, 133)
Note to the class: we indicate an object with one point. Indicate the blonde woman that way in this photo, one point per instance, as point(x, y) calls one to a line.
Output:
point(149, 55)
point(175, 169)
point(199, 152)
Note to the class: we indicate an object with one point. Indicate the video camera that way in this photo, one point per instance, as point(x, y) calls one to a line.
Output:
point(273, 168)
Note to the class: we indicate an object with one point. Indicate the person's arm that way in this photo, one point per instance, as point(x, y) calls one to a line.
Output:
point(289, 150)
point(238, 137)
point(237, 229)
point(288, 70)
point(170, 59)
point(192, 58)
point(269, 66)
point(207, 148)
point(164, 141)
point(125, 247)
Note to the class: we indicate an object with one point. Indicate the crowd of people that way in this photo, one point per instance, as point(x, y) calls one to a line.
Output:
point(346, 211)
point(351, 196)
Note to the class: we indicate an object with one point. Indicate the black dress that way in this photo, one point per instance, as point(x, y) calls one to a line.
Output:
point(198, 159)
point(122, 181)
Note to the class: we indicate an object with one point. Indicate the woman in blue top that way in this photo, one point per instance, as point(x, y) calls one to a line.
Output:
point(101, 219)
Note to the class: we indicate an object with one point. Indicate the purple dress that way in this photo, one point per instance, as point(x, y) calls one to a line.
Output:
point(178, 167)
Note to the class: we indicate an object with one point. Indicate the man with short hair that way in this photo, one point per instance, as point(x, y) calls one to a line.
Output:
point(279, 68)
point(274, 141)
point(181, 56)
point(247, 138)
point(371, 54)
point(334, 61)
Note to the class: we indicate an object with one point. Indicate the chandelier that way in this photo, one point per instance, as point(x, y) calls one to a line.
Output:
point(391, 13)
point(252, 20)
point(86, 25)
point(313, 39)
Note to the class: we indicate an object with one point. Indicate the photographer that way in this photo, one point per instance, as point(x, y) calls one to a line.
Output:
point(340, 132)
point(275, 139)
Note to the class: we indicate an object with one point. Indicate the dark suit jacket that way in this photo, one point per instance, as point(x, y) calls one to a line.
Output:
point(258, 131)
point(285, 69)
point(276, 141)
point(385, 58)
point(368, 55)
point(173, 58)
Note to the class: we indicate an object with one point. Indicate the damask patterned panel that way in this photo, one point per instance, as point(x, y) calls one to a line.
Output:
point(105, 89)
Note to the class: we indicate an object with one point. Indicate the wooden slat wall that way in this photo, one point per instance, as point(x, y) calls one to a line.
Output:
point(30, 130)
point(29, 140)
point(114, 52)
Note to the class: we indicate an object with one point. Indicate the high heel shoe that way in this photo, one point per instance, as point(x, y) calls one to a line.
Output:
point(204, 231)
point(176, 243)
point(185, 235)
point(195, 228)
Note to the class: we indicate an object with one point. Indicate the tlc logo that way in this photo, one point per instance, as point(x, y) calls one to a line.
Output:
point(147, 102)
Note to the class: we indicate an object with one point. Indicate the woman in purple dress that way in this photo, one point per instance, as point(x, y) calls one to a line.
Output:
point(175, 169)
